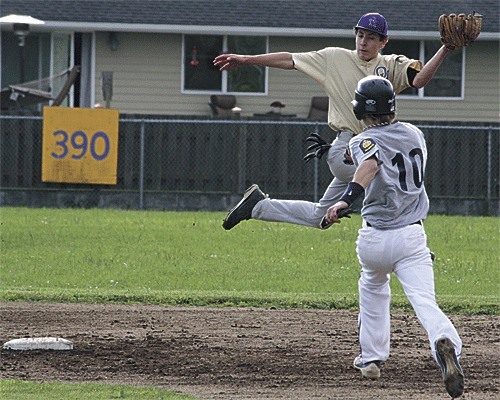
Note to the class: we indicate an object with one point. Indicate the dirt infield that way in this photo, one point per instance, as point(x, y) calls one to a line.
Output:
point(234, 353)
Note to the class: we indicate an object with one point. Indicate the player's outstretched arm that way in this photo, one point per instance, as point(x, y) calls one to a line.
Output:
point(456, 31)
point(274, 60)
point(430, 68)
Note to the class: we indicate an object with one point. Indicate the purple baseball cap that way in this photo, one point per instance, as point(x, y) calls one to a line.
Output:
point(374, 22)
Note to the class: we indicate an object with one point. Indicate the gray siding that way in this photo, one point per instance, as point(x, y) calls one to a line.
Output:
point(146, 73)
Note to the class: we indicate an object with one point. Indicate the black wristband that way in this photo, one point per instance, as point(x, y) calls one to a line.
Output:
point(353, 191)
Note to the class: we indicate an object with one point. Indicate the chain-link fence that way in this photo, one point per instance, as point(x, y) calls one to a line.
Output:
point(195, 164)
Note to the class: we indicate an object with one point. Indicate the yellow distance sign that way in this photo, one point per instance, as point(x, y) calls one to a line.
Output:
point(80, 145)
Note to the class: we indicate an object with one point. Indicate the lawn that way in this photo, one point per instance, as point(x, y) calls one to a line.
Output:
point(96, 255)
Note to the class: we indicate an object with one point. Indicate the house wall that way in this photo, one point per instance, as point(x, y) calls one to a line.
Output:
point(481, 101)
point(146, 73)
point(147, 80)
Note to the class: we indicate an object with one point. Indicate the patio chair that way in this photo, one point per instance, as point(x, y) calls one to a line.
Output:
point(222, 105)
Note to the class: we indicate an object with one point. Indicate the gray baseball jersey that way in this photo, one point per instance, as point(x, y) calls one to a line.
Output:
point(396, 197)
point(339, 70)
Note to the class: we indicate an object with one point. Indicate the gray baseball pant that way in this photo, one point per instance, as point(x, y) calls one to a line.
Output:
point(307, 213)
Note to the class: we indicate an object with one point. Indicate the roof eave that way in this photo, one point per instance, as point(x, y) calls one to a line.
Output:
point(231, 30)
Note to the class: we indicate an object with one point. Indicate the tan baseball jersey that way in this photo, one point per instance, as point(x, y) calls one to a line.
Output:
point(339, 70)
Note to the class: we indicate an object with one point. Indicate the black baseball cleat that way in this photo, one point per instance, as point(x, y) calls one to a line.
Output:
point(453, 375)
point(369, 370)
point(243, 210)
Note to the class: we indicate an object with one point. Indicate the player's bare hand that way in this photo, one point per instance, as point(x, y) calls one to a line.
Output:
point(348, 157)
point(225, 61)
point(332, 215)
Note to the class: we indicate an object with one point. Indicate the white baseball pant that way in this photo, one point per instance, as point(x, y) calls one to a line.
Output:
point(403, 251)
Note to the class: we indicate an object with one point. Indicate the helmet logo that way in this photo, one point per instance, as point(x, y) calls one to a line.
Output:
point(370, 105)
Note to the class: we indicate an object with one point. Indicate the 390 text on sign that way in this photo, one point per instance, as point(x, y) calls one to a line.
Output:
point(80, 145)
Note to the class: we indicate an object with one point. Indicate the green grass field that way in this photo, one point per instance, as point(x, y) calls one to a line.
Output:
point(186, 258)
point(16, 390)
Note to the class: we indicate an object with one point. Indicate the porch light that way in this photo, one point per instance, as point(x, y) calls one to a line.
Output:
point(20, 25)
point(21, 31)
point(113, 41)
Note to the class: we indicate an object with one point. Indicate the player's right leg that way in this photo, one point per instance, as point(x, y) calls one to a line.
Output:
point(298, 211)
point(374, 300)
point(256, 205)
point(243, 210)
point(416, 275)
point(336, 160)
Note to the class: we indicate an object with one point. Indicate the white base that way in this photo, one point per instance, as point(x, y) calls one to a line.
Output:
point(38, 343)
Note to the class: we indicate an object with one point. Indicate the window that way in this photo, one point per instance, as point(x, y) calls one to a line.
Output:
point(199, 71)
point(44, 55)
point(36, 55)
point(201, 75)
point(448, 81)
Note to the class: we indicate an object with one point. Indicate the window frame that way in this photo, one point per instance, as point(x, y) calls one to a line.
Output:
point(224, 73)
point(421, 92)
point(70, 59)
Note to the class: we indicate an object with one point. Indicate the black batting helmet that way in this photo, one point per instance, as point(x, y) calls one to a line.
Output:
point(374, 96)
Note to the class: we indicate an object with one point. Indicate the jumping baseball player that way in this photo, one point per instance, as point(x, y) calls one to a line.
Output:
point(338, 71)
point(390, 159)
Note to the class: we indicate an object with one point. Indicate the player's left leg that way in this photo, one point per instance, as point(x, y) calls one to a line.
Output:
point(416, 275)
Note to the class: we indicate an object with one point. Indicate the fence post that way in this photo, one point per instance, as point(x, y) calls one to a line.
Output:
point(489, 172)
point(141, 165)
point(242, 157)
point(316, 170)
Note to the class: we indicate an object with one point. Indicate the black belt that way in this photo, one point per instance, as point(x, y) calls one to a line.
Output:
point(413, 223)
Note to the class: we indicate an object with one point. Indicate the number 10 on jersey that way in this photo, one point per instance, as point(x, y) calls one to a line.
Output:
point(80, 145)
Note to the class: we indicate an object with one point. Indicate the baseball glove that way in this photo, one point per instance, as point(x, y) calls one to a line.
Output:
point(319, 147)
point(458, 31)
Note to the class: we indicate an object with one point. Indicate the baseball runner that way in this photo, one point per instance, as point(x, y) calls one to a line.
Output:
point(338, 71)
point(390, 159)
